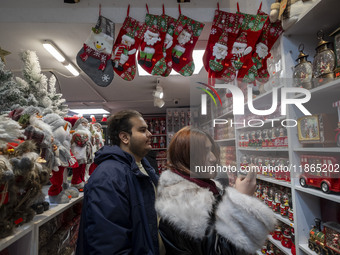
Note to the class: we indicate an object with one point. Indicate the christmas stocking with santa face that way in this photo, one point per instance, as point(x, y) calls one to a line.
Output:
point(269, 35)
point(226, 26)
point(168, 45)
point(186, 34)
point(151, 47)
point(244, 45)
point(125, 47)
point(94, 57)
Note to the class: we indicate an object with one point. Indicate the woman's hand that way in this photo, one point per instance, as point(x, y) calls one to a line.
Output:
point(247, 184)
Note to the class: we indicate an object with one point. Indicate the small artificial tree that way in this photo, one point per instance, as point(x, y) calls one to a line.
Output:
point(12, 94)
point(58, 103)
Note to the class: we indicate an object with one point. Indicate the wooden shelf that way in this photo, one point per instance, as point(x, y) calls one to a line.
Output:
point(313, 191)
point(18, 233)
point(263, 149)
point(228, 140)
point(273, 180)
point(305, 248)
point(317, 149)
point(279, 245)
point(55, 209)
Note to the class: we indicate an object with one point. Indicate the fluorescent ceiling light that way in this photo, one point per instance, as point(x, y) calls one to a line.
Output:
point(90, 111)
point(72, 69)
point(53, 51)
point(198, 60)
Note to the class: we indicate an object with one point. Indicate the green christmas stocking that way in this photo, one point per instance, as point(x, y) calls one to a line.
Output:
point(186, 34)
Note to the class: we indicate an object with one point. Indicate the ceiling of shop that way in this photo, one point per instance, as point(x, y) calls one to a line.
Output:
point(25, 24)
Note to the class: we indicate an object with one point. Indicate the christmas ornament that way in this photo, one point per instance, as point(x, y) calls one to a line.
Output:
point(125, 47)
point(186, 34)
point(94, 57)
point(303, 71)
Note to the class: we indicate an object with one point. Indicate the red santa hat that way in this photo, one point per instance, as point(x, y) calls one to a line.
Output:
point(222, 43)
point(153, 31)
point(241, 41)
point(71, 119)
point(104, 119)
point(93, 118)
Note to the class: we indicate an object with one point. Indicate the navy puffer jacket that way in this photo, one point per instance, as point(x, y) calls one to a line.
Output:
point(118, 214)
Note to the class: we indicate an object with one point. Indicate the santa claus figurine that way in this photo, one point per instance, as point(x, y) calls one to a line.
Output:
point(122, 51)
point(183, 38)
point(147, 49)
point(286, 240)
point(62, 137)
point(81, 148)
point(220, 51)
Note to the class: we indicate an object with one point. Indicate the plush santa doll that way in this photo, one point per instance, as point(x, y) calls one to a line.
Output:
point(147, 49)
point(81, 148)
point(183, 38)
point(62, 137)
point(122, 51)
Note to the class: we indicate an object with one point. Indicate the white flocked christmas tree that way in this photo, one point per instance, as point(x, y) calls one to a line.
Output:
point(12, 94)
point(34, 89)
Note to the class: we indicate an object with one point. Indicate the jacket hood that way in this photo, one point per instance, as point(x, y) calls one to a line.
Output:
point(113, 152)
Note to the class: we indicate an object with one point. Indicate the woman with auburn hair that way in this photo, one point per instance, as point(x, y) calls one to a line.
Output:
point(195, 216)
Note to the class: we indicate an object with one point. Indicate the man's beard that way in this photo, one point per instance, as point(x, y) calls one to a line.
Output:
point(152, 41)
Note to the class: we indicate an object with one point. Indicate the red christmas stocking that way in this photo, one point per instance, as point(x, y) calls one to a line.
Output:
point(168, 44)
point(223, 33)
point(244, 45)
point(151, 48)
point(186, 34)
point(125, 48)
point(269, 35)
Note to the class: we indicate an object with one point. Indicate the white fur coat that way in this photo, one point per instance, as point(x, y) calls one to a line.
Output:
point(243, 220)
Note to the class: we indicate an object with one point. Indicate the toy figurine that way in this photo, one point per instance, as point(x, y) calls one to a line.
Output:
point(290, 210)
point(277, 202)
point(265, 138)
point(284, 207)
point(286, 240)
point(277, 235)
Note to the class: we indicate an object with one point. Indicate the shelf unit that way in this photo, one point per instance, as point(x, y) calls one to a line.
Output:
point(307, 202)
point(25, 239)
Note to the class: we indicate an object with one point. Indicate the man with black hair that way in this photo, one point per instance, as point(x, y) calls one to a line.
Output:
point(118, 214)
